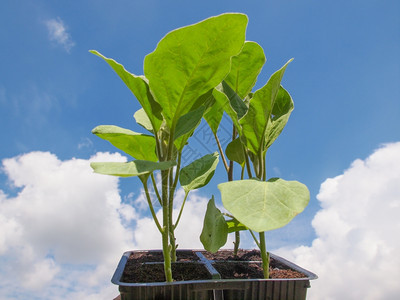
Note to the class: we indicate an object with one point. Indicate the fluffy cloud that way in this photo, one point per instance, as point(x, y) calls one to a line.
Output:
point(356, 252)
point(63, 232)
point(58, 33)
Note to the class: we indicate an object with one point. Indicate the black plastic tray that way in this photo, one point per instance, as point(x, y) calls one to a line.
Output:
point(216, 289)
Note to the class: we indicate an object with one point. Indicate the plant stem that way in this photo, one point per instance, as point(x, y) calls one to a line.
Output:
point(221, 152)
point(230, 178)
point(146, 190)
point(255, 239)
point(155, 188)
point(181, 210)
point(264, 255)
point(165, 233)
point(263, 161)
point(248, 165)
point(172, 187)
point(236, 243)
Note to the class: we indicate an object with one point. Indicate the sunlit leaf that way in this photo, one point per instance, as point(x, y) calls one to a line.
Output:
point(137, 145)
point(234, 225)
point(280, 116)
point(255, 122)
point(192, 60)
point(133, 168)
point(140, 88)
point(245, 68)
point(213, 115)
point(199, 172)
point(143, 120)
point(263, 206)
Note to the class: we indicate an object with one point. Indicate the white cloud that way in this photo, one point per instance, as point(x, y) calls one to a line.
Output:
point(61, 235)
point(58, 33)
point(356, 252)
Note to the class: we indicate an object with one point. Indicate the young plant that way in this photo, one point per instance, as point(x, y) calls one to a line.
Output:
point(255, 204)
point(175, 92)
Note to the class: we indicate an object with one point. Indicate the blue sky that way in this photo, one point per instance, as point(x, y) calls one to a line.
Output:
point(344, 81)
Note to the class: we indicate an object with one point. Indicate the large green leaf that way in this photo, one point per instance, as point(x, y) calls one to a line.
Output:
point(139, 146)
point(213, 115)
point(140, 88)
point(280, 115)
point(188, 122)
point(245, 68)
point(234, 151)
point(255, 122)
point(223, 101)
point(143, 120)
point(199, 172)
point(133, 168)
point(263, 206)
point(236, 102)
point(215, 230)
point(191, 60)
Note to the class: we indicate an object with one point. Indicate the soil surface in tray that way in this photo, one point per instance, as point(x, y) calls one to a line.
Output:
point(228, 265)
point(141, 273)
point(243, 255)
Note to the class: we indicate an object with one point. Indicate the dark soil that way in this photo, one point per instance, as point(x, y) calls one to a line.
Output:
point(243, 255)
point(243, 270)
point(157, 256)
point(142, 273)
point(246, 265)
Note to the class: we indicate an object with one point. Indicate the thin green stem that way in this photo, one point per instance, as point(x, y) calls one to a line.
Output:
point(173, 182)
point(158, 146)
point(248, 165)
point(181, 210)
point(221, 153)
point(264, 170)
point(228, 215)
point(148, 198)
point(155, 188)
point(255, 239)
point(230, 170)
point(264, 255)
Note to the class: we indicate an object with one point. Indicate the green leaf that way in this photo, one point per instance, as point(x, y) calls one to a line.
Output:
point(206, 101)
point(213, 115)
point(199, 172)
point(234, 225)
point(234, 151)
point(140, 88)
point(192, 60)
point(236, 102)
point(223, 101)
point(143, 120)
point(133, 168)
point(255, 122)
point(137, 145)
point(245, 68)
point(188, 122)
point(215, 230)
point(280, 115)
point(263, 206)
